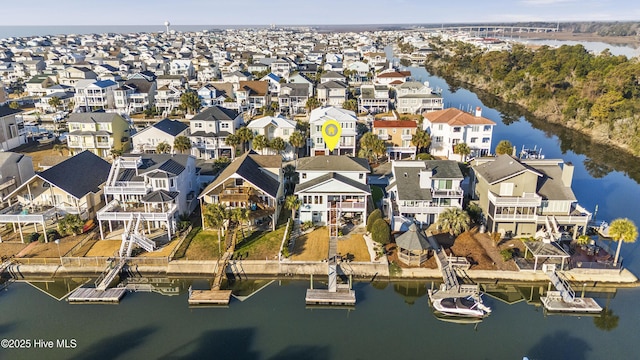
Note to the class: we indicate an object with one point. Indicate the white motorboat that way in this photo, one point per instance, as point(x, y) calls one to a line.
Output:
point(461, 307)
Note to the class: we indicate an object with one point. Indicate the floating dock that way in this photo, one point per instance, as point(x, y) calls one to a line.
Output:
point(554, 302)
point(93, 295)
point(209, 297)
point(343, 296)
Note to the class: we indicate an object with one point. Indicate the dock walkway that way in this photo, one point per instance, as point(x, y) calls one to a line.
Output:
point(89, 295)
point(564, 298)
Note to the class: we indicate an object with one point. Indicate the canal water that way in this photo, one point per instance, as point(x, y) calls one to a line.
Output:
point(390, 320)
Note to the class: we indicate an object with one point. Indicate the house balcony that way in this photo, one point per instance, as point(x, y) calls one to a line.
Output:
point(406, 137)
point(429, 209)
point(515, 217)
point(448, 193)
point(39, 213)
point(127, 188)
point(346, 205)
point(526, 200)
point(119, 211)
point(9, 182)
point(103, 144)
point(384, 136)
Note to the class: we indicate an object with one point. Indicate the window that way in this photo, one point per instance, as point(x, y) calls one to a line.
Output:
point(198, 125)
point(473, 140)
point(445, 184)
point(475, 128)
point(485, 140)
point(171, 183)
point(239, 182)
point(487, 128)
point(304, 175)
point(437, 139)
point(440, 126)
point(285, 132)
point(160, 183)
point(318, 128)
point(361, 176)
point(456, 129)
point(406, 131)
point(506, 189)
point(224, 126)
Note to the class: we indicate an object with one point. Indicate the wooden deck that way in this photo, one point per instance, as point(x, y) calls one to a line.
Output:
point(209, 297)
point(553, 302)
point(325, 297)
point(92, 295)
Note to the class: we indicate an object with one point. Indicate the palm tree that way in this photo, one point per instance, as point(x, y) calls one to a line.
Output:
point(190, 102)
point(312, 103)
point(233, 140)
point(421, 139)
point(297, 140)
point(116, 152)
point(181, 143)
point(240, 215)
point(245, 135)
point(292, 203)
point(463, 150)
point(278, 145)
point(60, 148)
point(260, 142)
point(351, 104)
point(55, 102)
point(504, 147)
point(163, 148)
point(454, 220)
point(214, 215)
point(622, 230)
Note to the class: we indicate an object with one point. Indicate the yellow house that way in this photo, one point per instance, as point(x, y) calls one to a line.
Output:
point(397, 134)
point(98, 133)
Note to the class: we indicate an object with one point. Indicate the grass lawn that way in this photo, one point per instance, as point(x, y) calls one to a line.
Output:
point(10, 249)
point(356, 246)
point(53, 250)
point(105, 248)
point(313, 246)
point(260, 245)
point(204, 246)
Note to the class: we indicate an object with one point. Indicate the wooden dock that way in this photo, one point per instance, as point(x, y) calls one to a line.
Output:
point(209, 297)
point(342, 297)
point(93, 295)
point(553, 302)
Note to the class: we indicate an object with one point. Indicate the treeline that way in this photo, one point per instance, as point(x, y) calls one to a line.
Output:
point(597, 94)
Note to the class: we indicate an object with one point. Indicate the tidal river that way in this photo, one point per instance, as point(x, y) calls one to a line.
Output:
point(390, 320)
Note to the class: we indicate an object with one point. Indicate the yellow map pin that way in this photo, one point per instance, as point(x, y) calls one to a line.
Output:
point(331, 131)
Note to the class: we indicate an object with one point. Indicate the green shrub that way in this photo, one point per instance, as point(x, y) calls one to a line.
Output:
point(507, 254)
point(33, 237)
point(380, 232)
point(375, 215)
point(52, 234)
point(425, 156)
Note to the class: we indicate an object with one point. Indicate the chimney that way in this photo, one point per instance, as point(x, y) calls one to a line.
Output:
point(478, 111)
point(567, 174)
point(425, 178)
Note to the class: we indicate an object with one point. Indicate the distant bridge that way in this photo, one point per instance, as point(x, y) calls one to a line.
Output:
point(494, 29)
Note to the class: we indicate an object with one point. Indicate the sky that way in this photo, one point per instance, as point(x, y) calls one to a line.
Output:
point(305, 12)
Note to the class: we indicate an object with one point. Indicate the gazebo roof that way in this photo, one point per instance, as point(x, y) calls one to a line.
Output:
point(160, 196)
point(413, 239)
point(548, 250)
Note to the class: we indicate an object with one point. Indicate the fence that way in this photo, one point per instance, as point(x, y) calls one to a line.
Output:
point(90, 235)
point(182, 237)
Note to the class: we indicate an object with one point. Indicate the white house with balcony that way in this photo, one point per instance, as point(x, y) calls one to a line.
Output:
point(73, 186)
point(164, 131)
point(373, 99)
point(135, 95)
point(147, 192)
point(347, 120)
point(272, 127)
point(420, 190)
point(519, 197)
point(414, 97)
point(95, 95)
point(333, 190)
point(182, 67)
point(452, 126)
point(209, 130)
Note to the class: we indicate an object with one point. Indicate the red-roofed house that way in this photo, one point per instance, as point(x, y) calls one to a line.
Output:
point(397, 134)
point(451, 126)
point(389, 77)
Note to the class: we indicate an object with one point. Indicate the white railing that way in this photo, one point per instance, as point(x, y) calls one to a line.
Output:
point(532, 217)
point(447, 192)
point(127, 187)
point(143, 242)
point(406, 137)
point(349, 205)
point(384, 136)
point(21, 218)
point(433, 209)
point(144, 216)
point(527, 199)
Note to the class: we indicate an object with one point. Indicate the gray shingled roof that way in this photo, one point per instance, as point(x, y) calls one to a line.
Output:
point(550, 185)
point(413, 239)
point(79, 175)
point(333, 163)
point(156, 165)
point(335, 176)
point(216, 113)
point(444, 169)
point(159, 196)
point(97, 117)
point(408, 182)
point(503, 167)
point(171, 127)
point(6, 111)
